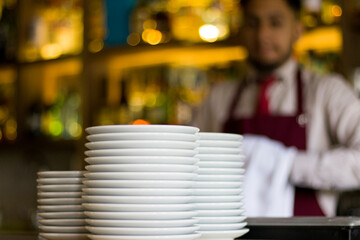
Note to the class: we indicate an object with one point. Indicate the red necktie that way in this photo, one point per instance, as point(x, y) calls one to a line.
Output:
point(263, 104)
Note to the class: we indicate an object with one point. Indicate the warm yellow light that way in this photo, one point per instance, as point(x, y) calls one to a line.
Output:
point(11, 129)
point(152, 36)
point(149, 24)
point(133, 39)
point(96, 45)
point(74, 129)
point(209, 33)
point(51, 51)
point(336, 11)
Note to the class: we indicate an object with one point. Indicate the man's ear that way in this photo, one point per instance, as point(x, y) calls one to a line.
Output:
point(298, 30)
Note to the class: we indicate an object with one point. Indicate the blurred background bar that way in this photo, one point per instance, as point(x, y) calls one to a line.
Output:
point(69, 64)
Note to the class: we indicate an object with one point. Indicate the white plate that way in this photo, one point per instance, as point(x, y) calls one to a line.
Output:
point(59, 195)
point(218, 206)
point(142, 237)
point(139, 191)
point(60, 174)
point(60, 188)
point(222, 227)
point(219, 164)
point(219, 177)
point(221, 171)
point(142, 128)
point(103, 207)
point(216, 199)
point(220, 136)
point(221, 157)
point(62, 222)
point(218, 150)
point(59, 201)
point(141, 223)
point(64, 236)
point(142, 215)
point(141, 144)
point(138, 199)
point(139, 183)
point(142, 136)
point(142, 152)
point(219, 143)
point(57, 181)
point(141, 176)
point(142, 231)
point(62, 229)
point(217, 184)
point(216, 191)
point(142, 160)
point(141, 168)
point(221, 220)
point(223, 235)
point(220, 213)
point(60, 208)
point(61, 215)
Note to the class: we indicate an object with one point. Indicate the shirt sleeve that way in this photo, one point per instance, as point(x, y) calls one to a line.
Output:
point(337, 167)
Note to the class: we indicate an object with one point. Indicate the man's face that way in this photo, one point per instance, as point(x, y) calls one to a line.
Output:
point(270, 29)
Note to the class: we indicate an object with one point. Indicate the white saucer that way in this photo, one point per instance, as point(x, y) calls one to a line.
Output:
point(221, 220)
point(142, 160)
point(42, 195)
point(218, 150)
point(219, 213)
point(62, 222)
point(141, 168)
point(221, 171)
point(139, 183)
point(219, 136)
point(142, 136)
point(141, 152)
point(219, 164)
point(219, 143)
point(64, 236)
point(142, 231)
point(221, 157)
point(61, 215)
point(141, 176)
point(142, 237)
point(142, 128)
point(222, 235)
point(57, 181)
point(60, 174)
point(60, 208)
point(60, 188)
point(229, 184)
point(217, 199)
point(141, 223)
point(62, 229)
point(139, 191)
point(142, 215)
point(219, 177)
point(139, 199)
point(218, 206)
point(221, 227)
point(103, 207)
point(59, 201)
point(216, 191)
point(123, 144)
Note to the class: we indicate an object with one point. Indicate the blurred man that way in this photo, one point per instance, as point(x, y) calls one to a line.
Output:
point(291, 105)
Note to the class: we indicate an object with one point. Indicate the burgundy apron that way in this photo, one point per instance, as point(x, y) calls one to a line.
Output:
point(290, 130)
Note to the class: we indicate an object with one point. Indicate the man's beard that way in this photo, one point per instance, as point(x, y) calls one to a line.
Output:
point(268, 67)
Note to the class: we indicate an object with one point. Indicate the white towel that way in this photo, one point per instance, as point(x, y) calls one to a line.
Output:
point(267, 190)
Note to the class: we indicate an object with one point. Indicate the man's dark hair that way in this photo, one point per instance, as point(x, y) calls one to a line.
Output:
point(295, 5)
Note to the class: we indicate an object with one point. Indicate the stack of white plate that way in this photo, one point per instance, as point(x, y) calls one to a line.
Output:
point(60, 212)
point(218, 198)
point(139, 182)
